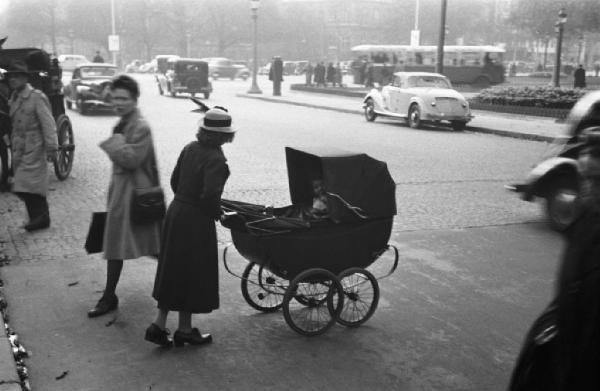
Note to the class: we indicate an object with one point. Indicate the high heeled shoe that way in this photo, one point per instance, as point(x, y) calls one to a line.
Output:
point(104, 305)
point(193, 338)
point(158, 336)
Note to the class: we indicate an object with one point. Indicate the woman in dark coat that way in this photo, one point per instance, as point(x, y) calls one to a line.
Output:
point(571, 361)
point(187, 278)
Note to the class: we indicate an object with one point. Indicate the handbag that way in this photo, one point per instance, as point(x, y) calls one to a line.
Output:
point(148, 203)
point(95, 236)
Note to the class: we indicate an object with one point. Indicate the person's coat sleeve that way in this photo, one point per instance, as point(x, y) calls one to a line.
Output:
point(215, 176)
point(47, 123)
point(129, 154)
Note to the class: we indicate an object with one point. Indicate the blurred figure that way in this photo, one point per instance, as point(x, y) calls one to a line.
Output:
point(330, 74)
point(98, 57)
point(579, 77)
point(309, 74)
point(338, 76)
point(320, 74)
point(276, 75)
point(596, 69)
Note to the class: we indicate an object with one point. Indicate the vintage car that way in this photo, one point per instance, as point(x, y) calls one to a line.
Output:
point(68, 62)
point(556, 178)
point(189, 75)
point(418, 97)
point(89, 87)
point(162, 62)
point(226, 68)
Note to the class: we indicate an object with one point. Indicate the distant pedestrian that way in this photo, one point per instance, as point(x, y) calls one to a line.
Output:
point(338, 75)
point(562, 349)
point(131, 151)
point(187, 278)
point(579, 77)
point(320, 74)
point(98, 57)
point(276, 75)
point(369, 78)
point(596, 69)
point(309, 74)
point(5, 126)
point(330, 74)
point(33, 142)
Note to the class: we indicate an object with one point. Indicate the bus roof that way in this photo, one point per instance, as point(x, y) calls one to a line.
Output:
point(428, 48)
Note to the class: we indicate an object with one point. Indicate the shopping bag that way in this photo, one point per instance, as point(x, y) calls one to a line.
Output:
point(95, 236)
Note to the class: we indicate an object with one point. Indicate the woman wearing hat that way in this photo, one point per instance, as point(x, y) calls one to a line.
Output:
point(187, 278)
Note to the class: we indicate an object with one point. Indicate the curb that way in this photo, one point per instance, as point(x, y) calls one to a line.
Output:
point(497, 132)
point(9, 378)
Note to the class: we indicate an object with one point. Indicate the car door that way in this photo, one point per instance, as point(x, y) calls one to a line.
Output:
point(394, 94)
point(403, 97)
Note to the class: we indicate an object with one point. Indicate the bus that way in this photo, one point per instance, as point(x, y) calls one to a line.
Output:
point(476, 65)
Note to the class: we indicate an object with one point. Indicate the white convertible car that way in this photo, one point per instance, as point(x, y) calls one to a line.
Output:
point(419, 97)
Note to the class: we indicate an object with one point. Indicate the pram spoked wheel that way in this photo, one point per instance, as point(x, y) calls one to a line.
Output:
point(262, 289)
point(318, 302)
point(361, 296)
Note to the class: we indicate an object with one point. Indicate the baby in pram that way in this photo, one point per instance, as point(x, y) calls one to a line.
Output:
point(319, 209)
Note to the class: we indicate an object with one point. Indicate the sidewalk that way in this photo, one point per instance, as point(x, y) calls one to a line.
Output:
point(507, 125)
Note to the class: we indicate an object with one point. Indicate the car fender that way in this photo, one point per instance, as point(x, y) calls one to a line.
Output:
point(541, 174)
point(377, 98)
point(418, 100)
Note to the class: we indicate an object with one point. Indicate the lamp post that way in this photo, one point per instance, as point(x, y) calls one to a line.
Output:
point(71, 34)
point(439, 67)
point(580, 51)
point(560, 23)
point(254, 7)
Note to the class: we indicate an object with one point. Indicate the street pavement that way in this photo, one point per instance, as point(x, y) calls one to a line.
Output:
point(476, 267)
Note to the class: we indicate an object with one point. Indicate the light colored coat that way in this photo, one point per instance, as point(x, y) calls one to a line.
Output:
point(33, 135)
point(133, 157)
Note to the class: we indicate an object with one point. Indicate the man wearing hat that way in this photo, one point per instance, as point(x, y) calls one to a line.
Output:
point(276, 75)
point(33, 143)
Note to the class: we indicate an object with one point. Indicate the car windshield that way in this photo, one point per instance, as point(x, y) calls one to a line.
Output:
point(428, 81)
point(92, 72)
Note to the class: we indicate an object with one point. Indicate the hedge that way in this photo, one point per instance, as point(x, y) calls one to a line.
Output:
point(530, 96)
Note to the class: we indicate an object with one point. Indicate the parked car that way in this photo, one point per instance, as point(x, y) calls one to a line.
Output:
point(418, 97)
point(223, 67)
point(189, 75)
point(556, 179)
point(133, 66)
point(161, 62)
point(149, 67)
point(89, 87)
point(68, 62)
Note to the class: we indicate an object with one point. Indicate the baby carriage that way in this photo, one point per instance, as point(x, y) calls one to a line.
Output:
point(314, 268)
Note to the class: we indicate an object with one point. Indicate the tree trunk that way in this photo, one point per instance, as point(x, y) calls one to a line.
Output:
point(546, 42)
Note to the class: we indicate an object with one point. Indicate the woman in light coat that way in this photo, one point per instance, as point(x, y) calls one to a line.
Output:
point(131, 150)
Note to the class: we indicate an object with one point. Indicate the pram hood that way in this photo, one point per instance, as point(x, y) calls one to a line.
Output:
point(359, 179)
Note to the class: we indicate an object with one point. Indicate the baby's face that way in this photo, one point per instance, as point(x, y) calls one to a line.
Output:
point(318, 187)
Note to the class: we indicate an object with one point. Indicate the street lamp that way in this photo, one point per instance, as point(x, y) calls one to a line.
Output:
point(71, 34)
point(439, 68)
point(560, 23)
point(254, 7)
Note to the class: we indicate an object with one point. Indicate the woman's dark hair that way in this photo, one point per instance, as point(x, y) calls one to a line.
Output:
point(213, 139)
point(127, 83)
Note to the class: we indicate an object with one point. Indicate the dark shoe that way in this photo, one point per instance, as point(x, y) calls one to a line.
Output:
point(193, 338)
point(158, 336)
point(39, 222)
point(104, 305)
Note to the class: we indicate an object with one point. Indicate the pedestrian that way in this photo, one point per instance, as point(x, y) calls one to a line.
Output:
point(596, 69)
point(98, 57)
point(369, 78)
point(338, 75)
point(320, 74)
point(567, 335)
point(330, 74)
point(579, 77)
point(5, 126)
point(276, 75)
point(131, 150)
point(33, 142)
point(187, 278)
point(309, 74)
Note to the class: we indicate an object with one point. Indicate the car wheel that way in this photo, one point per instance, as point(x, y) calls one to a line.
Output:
point(459, 125)
point(172, 91)
point(414, 116)
point(561, 203)
point(81, 106)
point(206, 95)
point(370, 114)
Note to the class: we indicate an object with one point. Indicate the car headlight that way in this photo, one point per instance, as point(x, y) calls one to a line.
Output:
point(433, 103)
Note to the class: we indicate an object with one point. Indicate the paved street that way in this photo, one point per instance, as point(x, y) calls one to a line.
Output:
point(477, 264)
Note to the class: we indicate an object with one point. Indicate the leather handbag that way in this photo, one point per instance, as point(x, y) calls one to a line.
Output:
point(148, 203)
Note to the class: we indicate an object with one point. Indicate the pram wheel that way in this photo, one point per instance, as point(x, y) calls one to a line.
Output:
point(361, 296)
point(318, 302)
point(262, 289)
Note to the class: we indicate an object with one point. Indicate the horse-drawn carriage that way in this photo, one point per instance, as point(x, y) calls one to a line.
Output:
point(315, 269)
point(45, 75)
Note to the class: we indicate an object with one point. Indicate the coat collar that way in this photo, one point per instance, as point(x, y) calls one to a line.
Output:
point(18, 97)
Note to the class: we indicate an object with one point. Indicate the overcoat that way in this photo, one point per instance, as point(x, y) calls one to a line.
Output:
point(134, 166)
point(33, 135)
point(187, 277)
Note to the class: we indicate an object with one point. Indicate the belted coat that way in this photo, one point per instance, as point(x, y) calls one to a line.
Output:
point(134, 166)
point(33, 135)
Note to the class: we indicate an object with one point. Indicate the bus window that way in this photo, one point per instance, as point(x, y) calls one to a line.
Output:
point(418, 58)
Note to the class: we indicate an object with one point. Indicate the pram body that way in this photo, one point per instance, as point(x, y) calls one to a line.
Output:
point(321, 255)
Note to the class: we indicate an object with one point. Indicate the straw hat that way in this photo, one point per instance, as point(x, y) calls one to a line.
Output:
point(217, 120)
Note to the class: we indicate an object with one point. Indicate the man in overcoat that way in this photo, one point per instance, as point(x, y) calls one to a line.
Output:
point(579, 77)
point(276, 75)
point(33, 142)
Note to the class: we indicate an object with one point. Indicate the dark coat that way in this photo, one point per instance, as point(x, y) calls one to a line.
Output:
point(330, 74)
point(579, 78)
point(187, 277)
point(276, 70)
